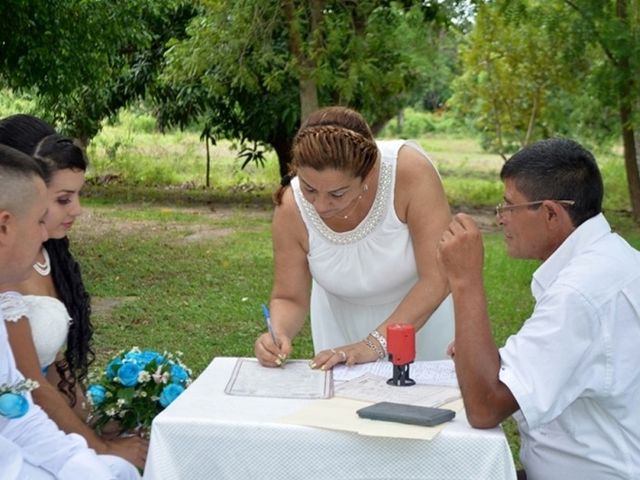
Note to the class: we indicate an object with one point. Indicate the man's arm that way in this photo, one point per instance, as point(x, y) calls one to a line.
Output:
point(460, 256)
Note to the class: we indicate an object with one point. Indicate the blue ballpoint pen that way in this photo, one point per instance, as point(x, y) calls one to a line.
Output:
point(267, 321)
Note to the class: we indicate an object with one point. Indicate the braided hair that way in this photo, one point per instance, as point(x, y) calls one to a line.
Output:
point(57, 153)
point(333, 137)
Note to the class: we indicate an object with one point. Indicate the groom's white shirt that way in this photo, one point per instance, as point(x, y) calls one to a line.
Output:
point(34, 442)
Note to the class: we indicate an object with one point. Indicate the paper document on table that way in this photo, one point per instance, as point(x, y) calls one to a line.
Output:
point(294, 380)
point(440, 372)
point(372, 388)
point(340, 414)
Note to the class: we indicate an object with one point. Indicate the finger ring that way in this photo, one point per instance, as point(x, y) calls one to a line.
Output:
point(343, 355)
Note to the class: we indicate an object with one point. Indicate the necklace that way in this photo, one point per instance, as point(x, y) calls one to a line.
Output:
point(43, 268)
point(350, 211)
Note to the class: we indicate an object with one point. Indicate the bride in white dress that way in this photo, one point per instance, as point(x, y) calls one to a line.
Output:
point(355, 241)
point(52, 342)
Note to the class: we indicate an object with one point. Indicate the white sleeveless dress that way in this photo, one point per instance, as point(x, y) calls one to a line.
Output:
point(361, 276)
point(48, 319)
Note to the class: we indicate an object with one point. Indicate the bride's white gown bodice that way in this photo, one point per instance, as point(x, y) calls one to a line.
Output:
point(48, 319)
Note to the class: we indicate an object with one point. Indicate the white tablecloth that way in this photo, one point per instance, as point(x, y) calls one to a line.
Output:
point(206, 434)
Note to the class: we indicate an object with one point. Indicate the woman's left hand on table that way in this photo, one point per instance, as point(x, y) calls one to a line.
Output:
point(348, 354)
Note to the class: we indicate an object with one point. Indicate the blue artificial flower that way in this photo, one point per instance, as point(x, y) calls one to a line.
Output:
point(144, 358)
point(112, 368)
point(125, 390)
point(170, 393)
point(97, 393)
point(13, 405)
point(128, 374)
point(178, 374)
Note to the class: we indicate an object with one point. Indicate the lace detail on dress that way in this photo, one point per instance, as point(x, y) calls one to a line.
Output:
point(12, 306)
point(373, 218)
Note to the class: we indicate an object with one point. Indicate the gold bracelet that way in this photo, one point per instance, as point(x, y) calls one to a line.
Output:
point(373, 347)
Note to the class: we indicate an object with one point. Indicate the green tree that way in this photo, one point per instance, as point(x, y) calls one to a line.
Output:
point(514, 76)
point(85, 59)
point(253, 68)
point(613, 27)
point(536, 68)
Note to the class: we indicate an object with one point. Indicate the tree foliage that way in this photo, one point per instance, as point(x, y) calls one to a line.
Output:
point(250, 67)
point(85, 59)
point(515, 78)
point(535, 68)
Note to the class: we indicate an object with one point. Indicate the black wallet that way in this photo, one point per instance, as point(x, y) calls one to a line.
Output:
point(402, 413)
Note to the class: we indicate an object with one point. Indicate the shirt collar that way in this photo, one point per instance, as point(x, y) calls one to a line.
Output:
point(582, 237)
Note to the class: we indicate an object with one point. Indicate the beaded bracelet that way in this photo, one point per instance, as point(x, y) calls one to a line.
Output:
point(380, 338)
point(374, 347)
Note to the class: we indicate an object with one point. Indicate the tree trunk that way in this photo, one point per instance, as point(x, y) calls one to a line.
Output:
point(282, 145)
point(626, 102)
point(306, 66)
point(308, 97)
point(532, 117)
point(631, 160)
point(208, 174)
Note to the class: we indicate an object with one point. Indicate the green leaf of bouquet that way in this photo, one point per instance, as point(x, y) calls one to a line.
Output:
point(126, 394)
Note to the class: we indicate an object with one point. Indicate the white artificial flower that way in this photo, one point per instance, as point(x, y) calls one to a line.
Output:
point(157, 376)
point(144, 376)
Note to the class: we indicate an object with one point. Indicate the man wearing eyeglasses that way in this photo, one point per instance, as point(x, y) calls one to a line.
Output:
point(570, 376)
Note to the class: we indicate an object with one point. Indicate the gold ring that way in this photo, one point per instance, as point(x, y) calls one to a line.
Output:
point(343, 355)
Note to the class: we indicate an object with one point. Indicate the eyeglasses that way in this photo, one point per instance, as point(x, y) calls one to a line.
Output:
point(501, 208)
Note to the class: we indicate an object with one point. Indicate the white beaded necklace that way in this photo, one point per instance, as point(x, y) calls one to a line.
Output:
point(375, 215)
point(43, 268)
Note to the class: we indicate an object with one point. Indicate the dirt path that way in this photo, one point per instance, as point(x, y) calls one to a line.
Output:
point(96, 222)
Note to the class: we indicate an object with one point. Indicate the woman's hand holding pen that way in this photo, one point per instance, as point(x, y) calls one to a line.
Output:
point(277, 347)
point(271, 354)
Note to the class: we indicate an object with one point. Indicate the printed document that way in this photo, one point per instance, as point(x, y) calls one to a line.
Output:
point(294, 380)
point(372, 388)
point(440, 372)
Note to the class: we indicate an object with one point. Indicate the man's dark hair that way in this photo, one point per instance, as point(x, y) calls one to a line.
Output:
point(23, 132)
point(558, 169)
